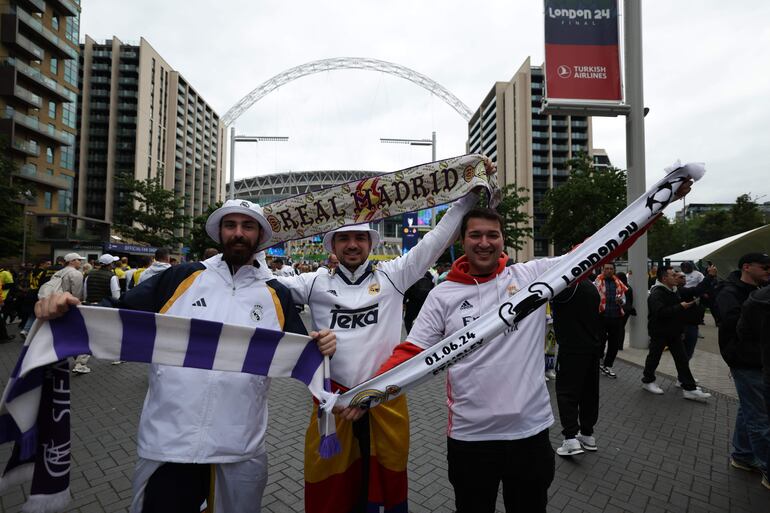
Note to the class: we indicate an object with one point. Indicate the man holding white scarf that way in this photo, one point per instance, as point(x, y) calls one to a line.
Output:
point(499, 408)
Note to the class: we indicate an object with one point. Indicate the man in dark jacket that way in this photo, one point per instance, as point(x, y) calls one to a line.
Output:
point(743, 355)
point(754, 334)
point(578, 326)
point(414, 297)
point(665, 325)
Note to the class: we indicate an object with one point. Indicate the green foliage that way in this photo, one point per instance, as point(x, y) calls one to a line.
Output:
point(11, 207)
point(149, 213)
point(666, 237)
point(589, 199)
point(199, 239)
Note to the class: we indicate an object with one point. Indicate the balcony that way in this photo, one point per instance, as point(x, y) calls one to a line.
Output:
point(46, 36)
point(68, 227)
point(63, 138)
point(27, 97)
point(49, 85)
point(12, 38)
point(65, 7)
point(30, 148)
point(29, 172)
point(32, 5)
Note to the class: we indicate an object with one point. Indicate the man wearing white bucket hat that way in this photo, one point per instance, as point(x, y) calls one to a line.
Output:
point(194, 419)
point(362, 304)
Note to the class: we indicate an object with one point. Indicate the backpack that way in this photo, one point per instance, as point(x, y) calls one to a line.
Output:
point(52, 286)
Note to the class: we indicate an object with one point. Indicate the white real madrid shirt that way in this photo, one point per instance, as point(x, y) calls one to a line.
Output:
point(499, 391)
point(364, 308)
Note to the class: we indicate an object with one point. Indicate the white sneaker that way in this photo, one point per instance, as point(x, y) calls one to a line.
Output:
point(569, 447)
point(696, 395)
point(79, 368)
point(23, 333)
point(550, 374)
point(679, 383)
point(652, 388)
point(587, 442)
point(117, 362)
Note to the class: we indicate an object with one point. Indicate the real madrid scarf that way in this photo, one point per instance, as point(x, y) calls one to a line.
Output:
point(378, 197)
point(613, 239)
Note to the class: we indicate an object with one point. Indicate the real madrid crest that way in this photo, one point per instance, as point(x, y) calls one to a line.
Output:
point(512, 289)
point(256, 313)
point(374, 289)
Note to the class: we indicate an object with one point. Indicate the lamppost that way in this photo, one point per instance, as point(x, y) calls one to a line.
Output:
point(419, 142)
point(245, 138)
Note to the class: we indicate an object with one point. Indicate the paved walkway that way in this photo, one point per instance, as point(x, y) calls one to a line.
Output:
point(656, 453)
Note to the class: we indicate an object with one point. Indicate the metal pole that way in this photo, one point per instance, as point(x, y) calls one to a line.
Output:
point(24, 239)
point(637, 255)
point(232, 162)
point(433, 155)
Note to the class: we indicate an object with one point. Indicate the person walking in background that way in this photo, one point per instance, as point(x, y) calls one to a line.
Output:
point(665, 326)
point(628, 308)
point(161, 263)
point(743, 356)
point(414, 297)
point(613, 296)
point(579, 333)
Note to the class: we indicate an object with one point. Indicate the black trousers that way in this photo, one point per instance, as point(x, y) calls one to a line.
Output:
point(614, 333)
point(678, 353)
point(526, 468)
point(177, 488)
point(577, 393)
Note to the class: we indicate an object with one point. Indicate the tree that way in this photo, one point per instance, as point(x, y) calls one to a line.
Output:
point(150, 213)
point(199, 240)
point(745, 214)
point(11, 207)
point(589, 198)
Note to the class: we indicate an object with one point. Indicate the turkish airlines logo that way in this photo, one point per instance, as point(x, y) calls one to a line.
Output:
point(564, 71)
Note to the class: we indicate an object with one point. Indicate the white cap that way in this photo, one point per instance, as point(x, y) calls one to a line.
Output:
point(238, 206)
point(69, 257)
point(364, 227)
point(107, 259)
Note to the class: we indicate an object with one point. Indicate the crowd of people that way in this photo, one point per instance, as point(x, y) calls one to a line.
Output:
point(204, 430)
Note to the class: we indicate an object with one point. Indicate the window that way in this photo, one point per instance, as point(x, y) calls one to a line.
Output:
point(69, 114)
point(71, 71)
point(65, 197)
point(49, 155)
point(47, 200)
point(55, 23)
point(52, 110)
point(54, 66)
point(72, 28)
point(67, 157)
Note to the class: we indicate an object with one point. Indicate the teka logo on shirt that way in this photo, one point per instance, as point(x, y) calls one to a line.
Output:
point(350, 319)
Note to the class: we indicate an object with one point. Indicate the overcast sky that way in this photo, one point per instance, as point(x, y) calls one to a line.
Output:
point(706, 77)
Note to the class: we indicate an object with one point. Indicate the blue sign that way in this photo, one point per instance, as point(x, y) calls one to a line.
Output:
point(129, 248)
point(409, 235)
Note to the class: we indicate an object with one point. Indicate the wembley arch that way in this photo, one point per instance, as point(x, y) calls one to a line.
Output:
point(310, 68)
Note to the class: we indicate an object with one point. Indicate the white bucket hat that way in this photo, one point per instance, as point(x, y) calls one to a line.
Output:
point(107, 259)
point(329, 236)
point(239, 206)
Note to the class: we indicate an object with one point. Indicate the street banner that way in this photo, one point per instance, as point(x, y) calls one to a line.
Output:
point(582, 51)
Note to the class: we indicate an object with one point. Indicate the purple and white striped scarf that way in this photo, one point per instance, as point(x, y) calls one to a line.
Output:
point(35, 406)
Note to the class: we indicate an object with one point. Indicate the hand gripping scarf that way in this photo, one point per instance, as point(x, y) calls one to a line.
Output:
point(611, 240)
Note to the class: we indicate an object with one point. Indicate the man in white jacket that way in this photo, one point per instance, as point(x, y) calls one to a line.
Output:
point(196, 423)
point(161, 263)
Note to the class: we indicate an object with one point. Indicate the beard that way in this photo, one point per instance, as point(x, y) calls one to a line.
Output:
point(238, 251)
